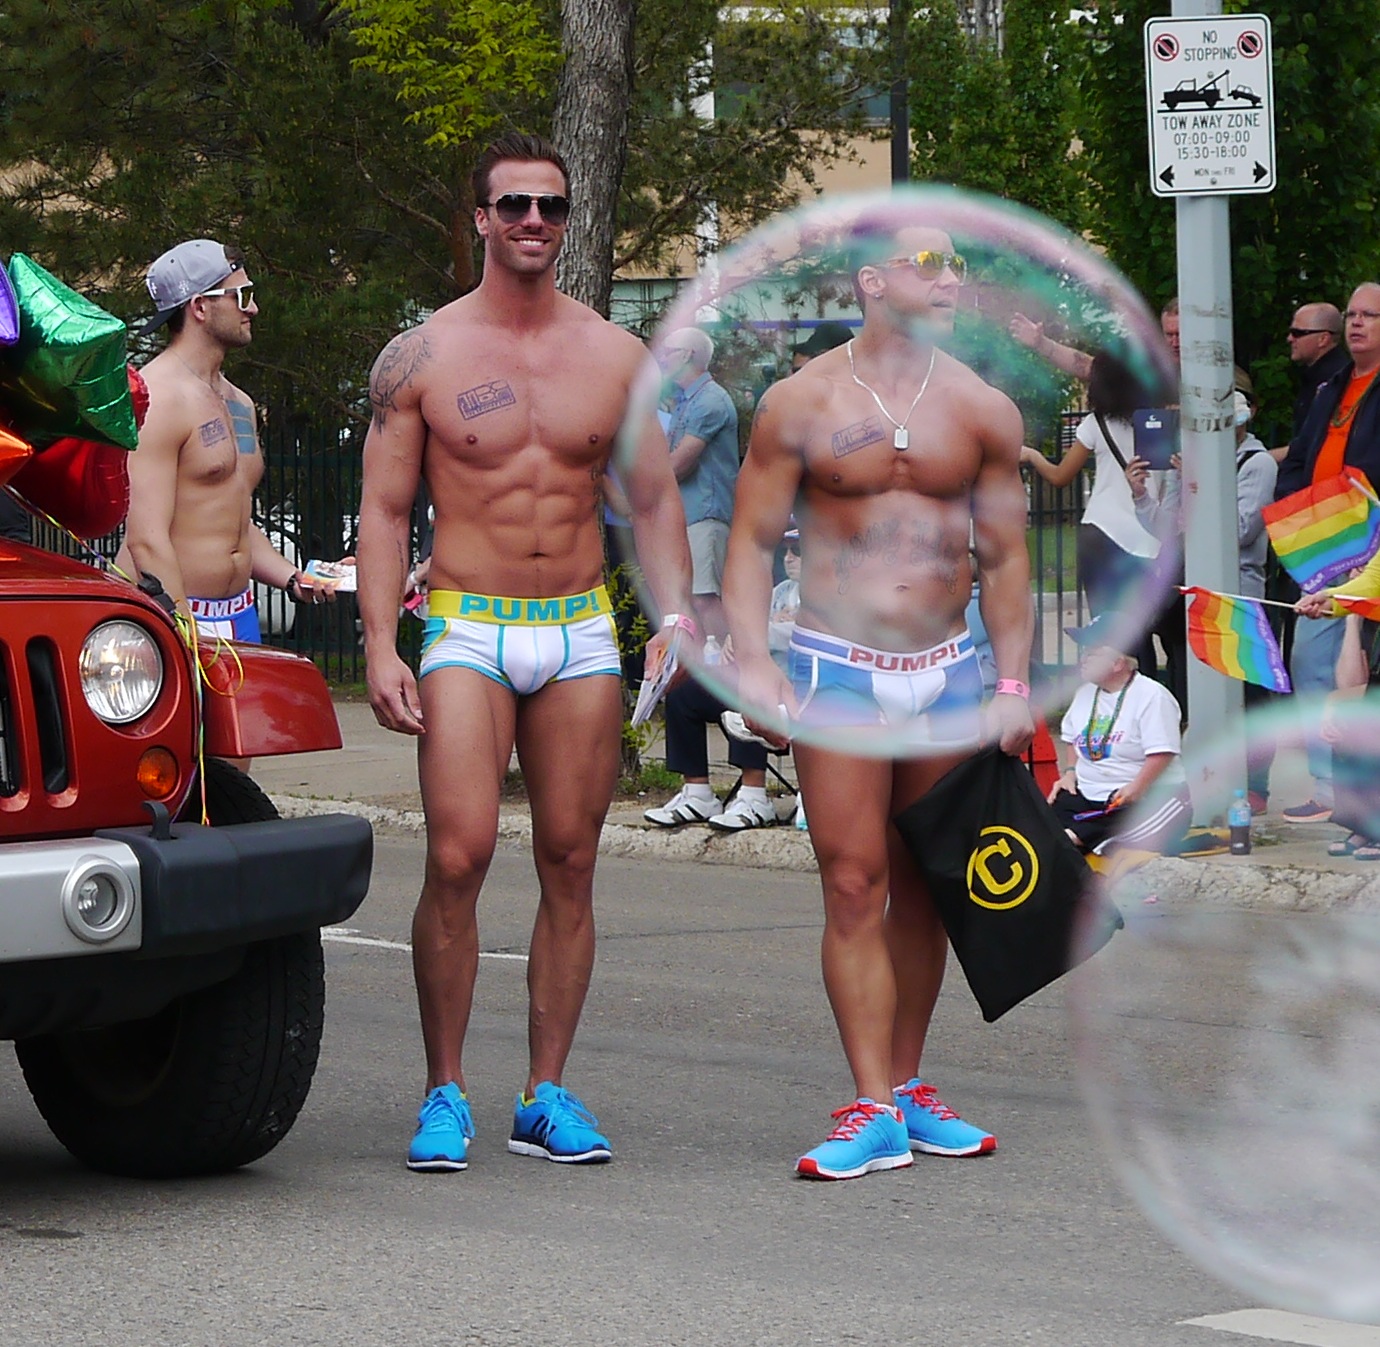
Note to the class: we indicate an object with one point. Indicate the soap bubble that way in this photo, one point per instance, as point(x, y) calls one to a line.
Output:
point(1228, 1039)
point(890, 467)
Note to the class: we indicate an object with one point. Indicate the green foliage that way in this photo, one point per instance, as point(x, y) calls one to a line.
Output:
point(128, 127)
point(998, 121)
point(458, 66)
point(789, 92)
point(1313, 237)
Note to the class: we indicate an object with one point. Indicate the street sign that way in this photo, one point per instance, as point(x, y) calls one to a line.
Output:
point(1210, 97)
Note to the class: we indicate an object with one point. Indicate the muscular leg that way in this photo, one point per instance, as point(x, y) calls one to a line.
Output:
point(849, 822)
point(568, 745)
point(915, 935)
point(462, 760)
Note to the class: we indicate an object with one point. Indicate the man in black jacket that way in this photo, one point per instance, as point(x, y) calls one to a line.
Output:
point(1315, 346)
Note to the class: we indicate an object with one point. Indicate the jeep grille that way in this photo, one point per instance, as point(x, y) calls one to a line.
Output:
point(9, 755)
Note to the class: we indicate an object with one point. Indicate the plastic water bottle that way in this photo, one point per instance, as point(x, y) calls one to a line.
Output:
point(1239, 824)
point(712, 652)
point(801, 825)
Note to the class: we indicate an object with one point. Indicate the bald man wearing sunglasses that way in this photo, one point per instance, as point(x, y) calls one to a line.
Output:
point(508, 402)
point(192, 481)
point(892, 454)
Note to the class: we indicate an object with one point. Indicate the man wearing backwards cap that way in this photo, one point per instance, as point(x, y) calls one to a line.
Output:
point(193, 478)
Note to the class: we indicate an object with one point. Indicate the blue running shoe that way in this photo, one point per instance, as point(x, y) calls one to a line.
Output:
point(444, 1130)
point(555, 1125)
point(934, 1128)
point(868, 1136)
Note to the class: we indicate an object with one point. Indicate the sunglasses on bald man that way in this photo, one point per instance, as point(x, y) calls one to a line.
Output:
point(929, 265)
point(513, 207)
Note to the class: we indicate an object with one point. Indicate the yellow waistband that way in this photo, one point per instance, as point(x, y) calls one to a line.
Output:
point(454, 603)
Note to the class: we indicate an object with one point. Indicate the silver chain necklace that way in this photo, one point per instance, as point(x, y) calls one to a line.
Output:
point(901, 439)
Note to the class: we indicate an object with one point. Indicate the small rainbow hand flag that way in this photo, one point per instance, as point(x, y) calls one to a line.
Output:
point(1232, 636)
point(1367, 608)
point(1326, 529)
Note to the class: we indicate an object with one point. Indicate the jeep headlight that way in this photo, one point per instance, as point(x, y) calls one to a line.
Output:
point(121, 671)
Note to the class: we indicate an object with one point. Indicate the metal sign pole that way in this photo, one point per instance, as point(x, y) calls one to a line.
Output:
point(1209, 461)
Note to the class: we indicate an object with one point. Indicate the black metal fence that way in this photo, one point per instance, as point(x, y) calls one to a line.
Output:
point(308, 505)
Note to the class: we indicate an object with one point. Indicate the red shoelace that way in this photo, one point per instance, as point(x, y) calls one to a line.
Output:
point(923, 1096)
point(853, 1118)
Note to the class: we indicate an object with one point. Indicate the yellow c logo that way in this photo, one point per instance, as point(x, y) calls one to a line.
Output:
point(1016, 868)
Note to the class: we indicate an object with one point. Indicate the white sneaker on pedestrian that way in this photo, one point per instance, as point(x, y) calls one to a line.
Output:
point(744, 813)
point(683, 807)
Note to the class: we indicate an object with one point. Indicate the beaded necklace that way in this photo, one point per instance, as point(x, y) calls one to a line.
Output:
point(1342, 418)
point(1104, 749)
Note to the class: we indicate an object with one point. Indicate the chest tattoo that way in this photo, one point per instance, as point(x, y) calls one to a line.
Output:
point(857, 436)
point(242, 419)
point(485, 398)
point(212, 432)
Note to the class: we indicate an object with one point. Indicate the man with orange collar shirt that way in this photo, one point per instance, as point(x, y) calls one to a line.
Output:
point(1341, 430)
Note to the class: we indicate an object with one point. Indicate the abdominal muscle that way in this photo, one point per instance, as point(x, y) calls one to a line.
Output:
point(899, 581)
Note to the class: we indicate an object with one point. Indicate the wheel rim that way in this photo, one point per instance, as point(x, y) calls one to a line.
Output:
point(123, 1065)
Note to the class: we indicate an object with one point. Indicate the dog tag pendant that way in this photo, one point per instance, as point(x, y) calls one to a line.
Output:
point(901, 439)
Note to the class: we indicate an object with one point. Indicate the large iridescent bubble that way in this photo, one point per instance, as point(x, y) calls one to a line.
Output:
point(1228, 1039)
point(892, 461)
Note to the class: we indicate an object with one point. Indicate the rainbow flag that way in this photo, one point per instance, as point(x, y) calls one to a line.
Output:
point(1367, 608)
point(1326, 529)
point(1232, 636)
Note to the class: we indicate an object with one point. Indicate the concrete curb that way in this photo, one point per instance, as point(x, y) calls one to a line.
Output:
point(1254, 881)
point(778, 848)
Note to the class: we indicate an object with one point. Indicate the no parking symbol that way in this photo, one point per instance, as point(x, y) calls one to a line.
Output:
point(1166, 46)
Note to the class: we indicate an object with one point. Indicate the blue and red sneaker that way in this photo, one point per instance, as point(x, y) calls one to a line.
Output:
point(934, 1128)
point(868, 1136)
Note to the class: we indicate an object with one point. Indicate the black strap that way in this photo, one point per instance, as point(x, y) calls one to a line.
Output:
point(1246, 457)
point(1111, 443)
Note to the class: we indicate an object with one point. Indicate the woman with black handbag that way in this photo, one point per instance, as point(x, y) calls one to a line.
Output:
point(1116, 553)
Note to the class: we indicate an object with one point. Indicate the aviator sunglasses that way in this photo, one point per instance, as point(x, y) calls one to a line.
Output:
point(929, 265)
point(513, 207)
point(244, 294)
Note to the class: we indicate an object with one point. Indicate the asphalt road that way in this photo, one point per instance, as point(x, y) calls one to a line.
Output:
point(709, 1054)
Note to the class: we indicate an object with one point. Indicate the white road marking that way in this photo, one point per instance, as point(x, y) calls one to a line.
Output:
point(1282, 1326)
point(348, 935)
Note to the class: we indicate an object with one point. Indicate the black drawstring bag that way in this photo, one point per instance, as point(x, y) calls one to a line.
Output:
point(1008, 884)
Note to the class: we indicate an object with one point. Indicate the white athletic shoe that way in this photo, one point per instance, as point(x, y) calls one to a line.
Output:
point(742, 813)
point(684, 808)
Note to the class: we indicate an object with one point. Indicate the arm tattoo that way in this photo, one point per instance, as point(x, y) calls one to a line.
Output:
point(857, 436)
point(393, 371)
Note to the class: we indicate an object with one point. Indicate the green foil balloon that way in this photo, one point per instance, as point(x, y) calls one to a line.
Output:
point(66, 373)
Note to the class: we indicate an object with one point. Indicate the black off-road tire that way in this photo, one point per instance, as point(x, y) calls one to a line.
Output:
point(213, 1082)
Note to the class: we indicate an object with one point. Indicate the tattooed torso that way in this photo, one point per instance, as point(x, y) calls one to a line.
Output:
point(218, 465)
point(886, 532)
point(518, 432)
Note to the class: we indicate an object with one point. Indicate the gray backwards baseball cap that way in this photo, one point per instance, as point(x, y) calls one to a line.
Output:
point(189, 269)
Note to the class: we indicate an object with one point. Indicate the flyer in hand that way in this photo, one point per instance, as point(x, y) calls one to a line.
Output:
point(337, 575)
point(655, 682)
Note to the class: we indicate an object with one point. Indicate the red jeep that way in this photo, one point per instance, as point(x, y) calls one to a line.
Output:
point(162, 979)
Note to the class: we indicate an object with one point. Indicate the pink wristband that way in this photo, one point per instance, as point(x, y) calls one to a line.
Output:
point(684, 622)
point(1012, 687)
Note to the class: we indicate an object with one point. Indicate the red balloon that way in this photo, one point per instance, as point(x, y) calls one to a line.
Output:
point(81, 484)
point(139, 395)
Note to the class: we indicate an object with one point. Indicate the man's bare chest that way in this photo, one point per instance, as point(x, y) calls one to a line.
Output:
point(853, 447)
point(222, 446)
point(486, 410)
